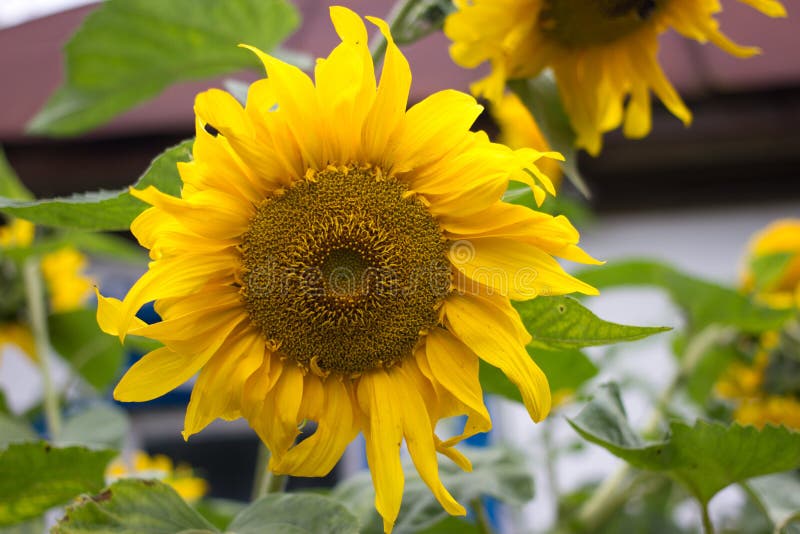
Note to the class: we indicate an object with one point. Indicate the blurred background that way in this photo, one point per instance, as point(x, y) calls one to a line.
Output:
point(691, 197)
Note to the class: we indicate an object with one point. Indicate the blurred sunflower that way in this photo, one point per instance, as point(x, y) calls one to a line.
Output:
point(161, 468)
point(67, 286)
point(335, 257)
point(764, 391)
point(779, 241)
point(601, 51)
point(518, 129)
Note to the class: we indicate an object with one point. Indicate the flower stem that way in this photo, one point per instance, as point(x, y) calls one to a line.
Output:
point(481, 518)
point(708, 526)
point(265, 481)
point(37, 315)
point(395, 19)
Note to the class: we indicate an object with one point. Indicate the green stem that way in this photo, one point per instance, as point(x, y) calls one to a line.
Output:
point(708, 526)
point(265, 481)
point(37, 315)
point(395, 19)
point(550, 465)
point(614, 492)
point(481, 518)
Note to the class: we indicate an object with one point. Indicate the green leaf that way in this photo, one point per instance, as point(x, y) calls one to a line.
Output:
point(14, 430)
point(128, 51)
point(563, 323)
point(10, 184)
point(704, 302)
point(450, 525)
point(497, 472)
point(104, 210)
point(705, 457)
point(768, 269)
point(36, 476)
point(566, 370)
point(92, 354)
point(779, 497)
point(132, 506)
point(99, 425)
point(296, 514)
point(541, 97)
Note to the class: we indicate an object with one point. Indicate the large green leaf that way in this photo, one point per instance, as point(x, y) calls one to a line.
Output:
point(128, 51)
point(104, 210)
point(705, 457)
point(704, 302)
point(294, 514)
point(100, 425)
point(37, 476)
point(558, 323)
point(132, 506)
point(779, 497)
point(92, 354)
point(497, 472)
point(541, 97)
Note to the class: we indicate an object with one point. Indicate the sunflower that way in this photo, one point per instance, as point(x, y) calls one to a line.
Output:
point(760, 395)
point(782, 290)
point(335, 257)
point(518, 129)
point(159, 467)
point(603, 52)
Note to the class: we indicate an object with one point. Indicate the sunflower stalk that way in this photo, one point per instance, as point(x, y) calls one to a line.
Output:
point(264, 480)
point(37, 315)
point(411, 20)
point(617, 489)
point(481, 517)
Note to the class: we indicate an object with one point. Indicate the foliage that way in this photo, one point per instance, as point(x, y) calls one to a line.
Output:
point(35, 476)
point(154, 45)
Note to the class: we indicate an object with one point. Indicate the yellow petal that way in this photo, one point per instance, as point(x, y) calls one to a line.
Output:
point(389, 107)
point(492, 337)
point(516, 270)
point(217, 391)
point(109, 311)
point(329, 404)
point(419, 438)
point(383, 435)
point(455, 367)
point(157, 373)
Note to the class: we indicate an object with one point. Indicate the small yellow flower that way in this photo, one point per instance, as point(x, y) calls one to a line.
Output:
point(63, 274)
point(161, 468)
point(19, 335)
point(603, 52)
point(518, 129)
point(781, 236)
point(16, 233)
point(335, 257)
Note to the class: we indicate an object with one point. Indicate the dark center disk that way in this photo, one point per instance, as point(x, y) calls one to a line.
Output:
point(579, 23)
point(343, 272)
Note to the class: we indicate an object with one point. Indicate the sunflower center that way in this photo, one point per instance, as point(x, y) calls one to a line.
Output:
point(344, 270)
point(579, 23)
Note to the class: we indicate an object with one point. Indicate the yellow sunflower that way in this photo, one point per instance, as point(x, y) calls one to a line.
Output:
point(159, 467)
point(781, 236)
point(603, 52)
point(747, 386)
point(518, 129)
point(338, 258)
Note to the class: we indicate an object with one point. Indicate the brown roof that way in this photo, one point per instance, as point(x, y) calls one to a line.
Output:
point(30, 59)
